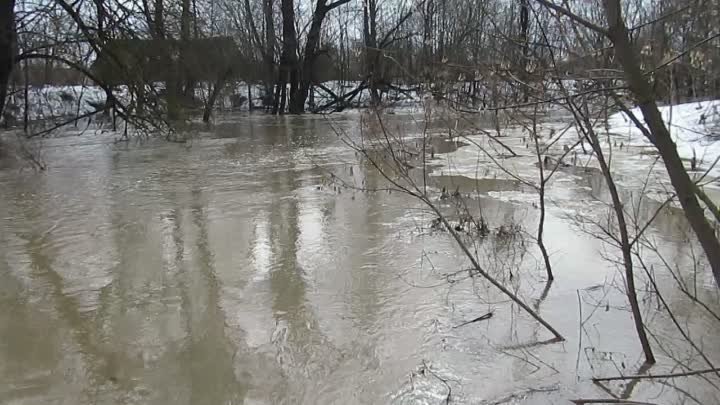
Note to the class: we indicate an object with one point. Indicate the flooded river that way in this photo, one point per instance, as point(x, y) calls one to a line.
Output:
point(231, 270)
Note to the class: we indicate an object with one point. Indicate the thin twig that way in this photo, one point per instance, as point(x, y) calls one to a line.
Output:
point(657, 376)
point(609, 401)
point(478, 319)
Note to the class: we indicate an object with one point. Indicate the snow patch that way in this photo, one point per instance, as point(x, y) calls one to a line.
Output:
point(695, 128)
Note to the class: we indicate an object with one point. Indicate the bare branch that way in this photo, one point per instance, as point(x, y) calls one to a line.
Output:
point(657, 376)
point(574, 17)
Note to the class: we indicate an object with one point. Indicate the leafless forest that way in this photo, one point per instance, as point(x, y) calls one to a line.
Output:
point(530, 81)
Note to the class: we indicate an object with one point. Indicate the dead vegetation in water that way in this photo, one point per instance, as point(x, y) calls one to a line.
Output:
point(497, 251)
point(479, 228)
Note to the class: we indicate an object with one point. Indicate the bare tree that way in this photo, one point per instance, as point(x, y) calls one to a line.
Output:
point(656, 131)
point(7, 47)
point(301, 76)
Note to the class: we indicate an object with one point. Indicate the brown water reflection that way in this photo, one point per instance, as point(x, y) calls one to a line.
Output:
point(230, 272)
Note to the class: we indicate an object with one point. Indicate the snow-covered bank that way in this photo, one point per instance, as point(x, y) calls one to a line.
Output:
point(51, 102)
point(48, 102)
point(695, 128)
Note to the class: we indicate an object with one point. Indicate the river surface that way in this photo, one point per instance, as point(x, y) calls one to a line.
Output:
point(232, 270)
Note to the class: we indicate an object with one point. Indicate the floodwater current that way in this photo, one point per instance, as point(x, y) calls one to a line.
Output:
point(232, 270)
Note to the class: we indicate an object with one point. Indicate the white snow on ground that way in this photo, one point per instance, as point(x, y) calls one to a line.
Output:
point(695, 128)
point(48, 102)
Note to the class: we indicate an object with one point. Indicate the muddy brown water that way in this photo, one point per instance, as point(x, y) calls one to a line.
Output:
point(232, 271)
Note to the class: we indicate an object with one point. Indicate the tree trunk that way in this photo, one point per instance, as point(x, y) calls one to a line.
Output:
point(681, 181)
point(213, 99)
point(541, 195)
point(159, 20)
point(26, 96)
point(371, 52)
point(266, 48)
point(288, 58)
point(101, 18)
point(188, 82)
point(282, 88)
point(524, 23)
point(625, 245)
point(269, 45)
point(426, 60)
point(301, 77)
point(300, 94)
point(276, 98)
point(8, 49)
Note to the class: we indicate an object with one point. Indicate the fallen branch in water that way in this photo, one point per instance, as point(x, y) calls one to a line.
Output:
point(342, 101)
point(653, 376)
point(609, 401)
point(478, 319)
